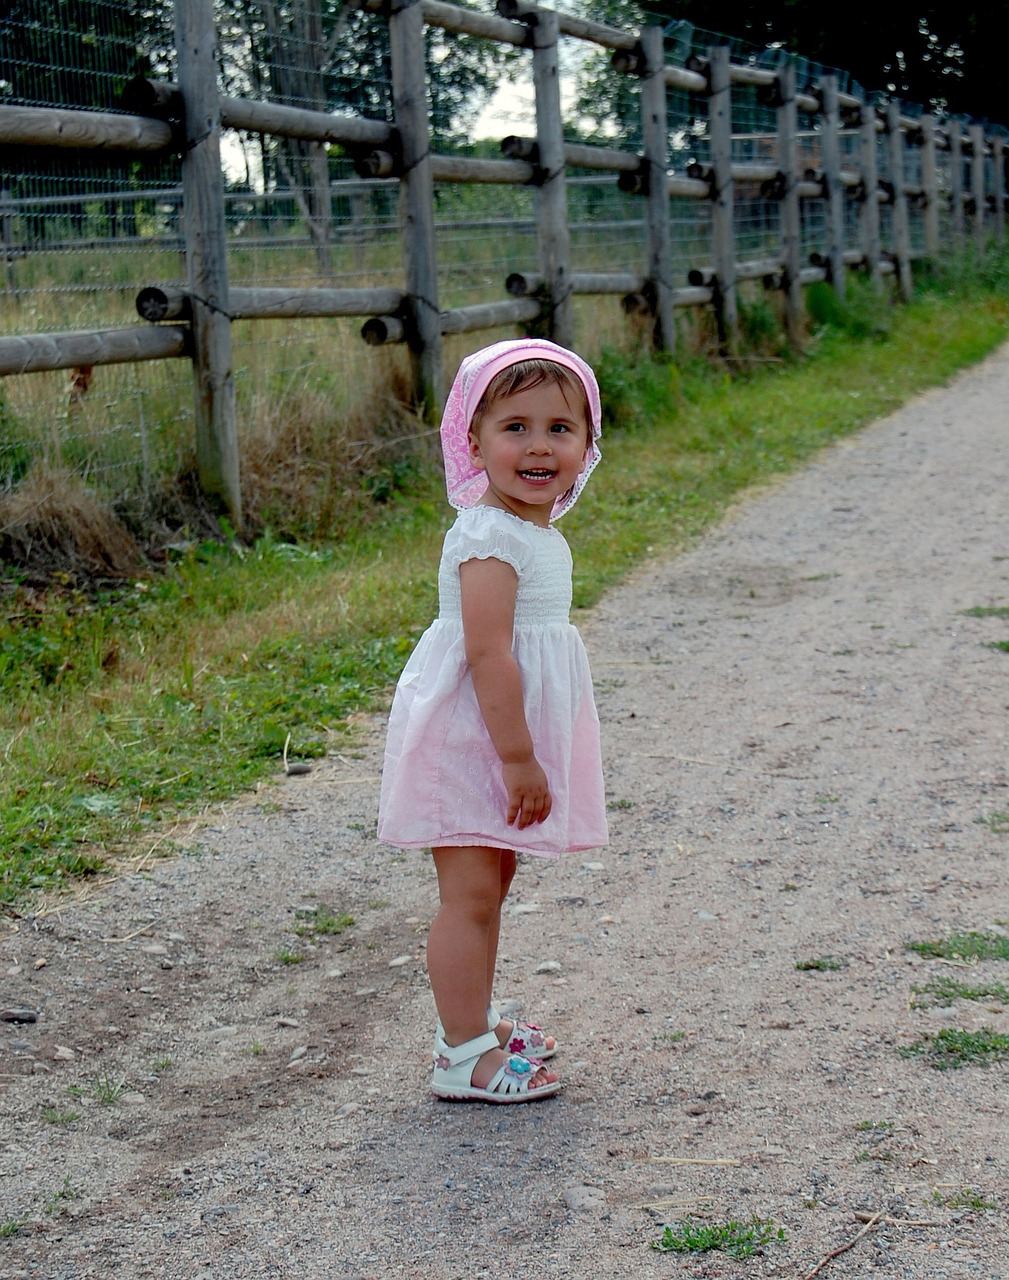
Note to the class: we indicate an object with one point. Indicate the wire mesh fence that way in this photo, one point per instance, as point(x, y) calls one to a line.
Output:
point(81, 233)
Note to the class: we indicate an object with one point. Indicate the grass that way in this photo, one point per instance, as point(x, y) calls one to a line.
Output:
point(950, 1049)
point(66, 1192)
point(965, 1198)
point(121, 716)
point(964, 946)
point(321, 922)
point(109, 1091)
point(53, 1115)
point(944, 991)
point(997, 822)
point(737, 1239)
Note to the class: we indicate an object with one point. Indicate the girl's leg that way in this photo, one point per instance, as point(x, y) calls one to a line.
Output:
point(459, 947)
point(504, 1026)
point(508, 862)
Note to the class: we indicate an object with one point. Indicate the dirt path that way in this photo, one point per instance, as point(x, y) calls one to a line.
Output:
point(806, 746)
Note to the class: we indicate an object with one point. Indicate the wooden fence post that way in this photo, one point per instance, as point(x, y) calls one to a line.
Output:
point(977, 183)
point(831, 144)
point(791, 218)
point(551, 195)
point(955, 135)
point(930, 183)
point(409, 98)
point(870, 197)
point(998, 185)
point(655, 140)
point(901, 226)
point(723, 249)
point(206, 256)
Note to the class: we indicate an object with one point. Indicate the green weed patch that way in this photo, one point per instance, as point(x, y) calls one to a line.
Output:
point(950, 1049)
point(964, 946)
point(737, 1239)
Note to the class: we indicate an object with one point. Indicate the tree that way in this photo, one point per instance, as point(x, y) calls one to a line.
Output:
point(78, 53)
point(327, 56)
point(925, 53)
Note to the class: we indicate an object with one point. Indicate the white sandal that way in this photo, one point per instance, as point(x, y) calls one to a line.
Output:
point(452, 1077)
point(526, 1038)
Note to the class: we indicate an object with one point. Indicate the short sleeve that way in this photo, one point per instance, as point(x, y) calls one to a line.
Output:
point(484, 533)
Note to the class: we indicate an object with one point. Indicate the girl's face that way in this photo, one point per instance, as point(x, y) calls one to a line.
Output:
point(532, 444)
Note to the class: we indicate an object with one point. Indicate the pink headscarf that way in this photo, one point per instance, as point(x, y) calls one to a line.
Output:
point(466, 485)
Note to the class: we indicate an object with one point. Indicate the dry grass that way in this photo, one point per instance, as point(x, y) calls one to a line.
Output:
point(313, 468)
point(55, 525)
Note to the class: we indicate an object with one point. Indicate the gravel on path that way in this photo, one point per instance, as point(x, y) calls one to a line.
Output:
point(805, 733)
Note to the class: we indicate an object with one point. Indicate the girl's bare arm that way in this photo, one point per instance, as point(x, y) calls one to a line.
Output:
point(489, 589)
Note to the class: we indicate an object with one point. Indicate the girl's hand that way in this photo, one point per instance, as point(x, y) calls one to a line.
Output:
point(528, 793)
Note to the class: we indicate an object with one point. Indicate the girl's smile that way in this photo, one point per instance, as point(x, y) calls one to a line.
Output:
point(532, 445)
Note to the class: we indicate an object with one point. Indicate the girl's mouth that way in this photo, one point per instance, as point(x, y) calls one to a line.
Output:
point(537, 475)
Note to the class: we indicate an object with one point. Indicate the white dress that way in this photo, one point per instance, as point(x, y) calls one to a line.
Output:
point(441, 782)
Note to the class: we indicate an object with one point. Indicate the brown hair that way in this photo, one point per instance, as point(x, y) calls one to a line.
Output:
point(527, 374)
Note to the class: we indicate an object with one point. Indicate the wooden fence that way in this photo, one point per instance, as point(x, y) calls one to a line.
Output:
point(193, 319)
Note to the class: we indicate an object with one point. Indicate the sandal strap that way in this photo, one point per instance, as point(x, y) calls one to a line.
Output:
point(513, 1076)
point(469, 1048)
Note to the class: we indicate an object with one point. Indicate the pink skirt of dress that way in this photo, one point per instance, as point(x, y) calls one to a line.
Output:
point(442, 783)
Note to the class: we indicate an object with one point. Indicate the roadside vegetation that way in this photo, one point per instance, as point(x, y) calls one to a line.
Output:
point(125, 710)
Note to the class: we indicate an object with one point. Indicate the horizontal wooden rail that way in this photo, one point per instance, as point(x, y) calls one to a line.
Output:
point(382, 331)
point(693, 297)
point(385, 164)
point(852, 258)
point(162, 302)
point(450, 17)
point(577, 155)
point(82, 130)
point(631, 62)
point(569, 25)
point(520, 284)
point(161, 99)
point(489, 315)
point(37, 352)
point(755, 270)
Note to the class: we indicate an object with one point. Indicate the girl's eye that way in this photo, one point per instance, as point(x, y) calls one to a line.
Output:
point(561, 427)
point(514, 426)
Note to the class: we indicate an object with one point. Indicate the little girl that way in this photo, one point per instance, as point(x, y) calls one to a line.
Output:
point(493, 745)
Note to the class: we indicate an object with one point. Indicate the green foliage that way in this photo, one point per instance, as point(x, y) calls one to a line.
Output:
point(862, 314)
point(820, 964)
point(987, 611)
point(637, 391)
point(950, 1049)
point(53, 1115)
point(737, 1239)
point(321, 922)
point(944, 991)
point(15, 452)
point(964, 946)
point(107, 1090)
point(965, 1198)
point(122, 711)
